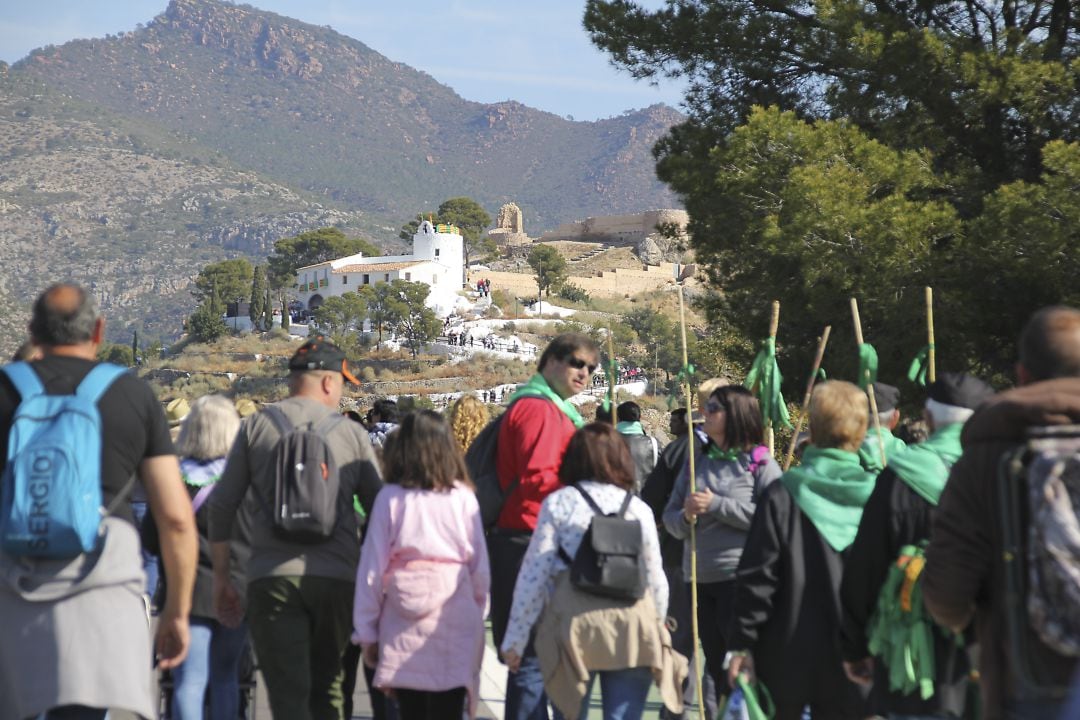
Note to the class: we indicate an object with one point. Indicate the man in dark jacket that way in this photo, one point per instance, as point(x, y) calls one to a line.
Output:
point(786, 615)
point(898, 514)
point(645, 449)
point(965, 576)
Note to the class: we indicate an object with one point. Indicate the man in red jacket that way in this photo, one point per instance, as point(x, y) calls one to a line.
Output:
point(532, 438)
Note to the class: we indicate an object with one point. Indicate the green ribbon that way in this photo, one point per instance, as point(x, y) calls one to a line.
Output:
point(765, 376)
point(920, 366)
point(821, 374)
point(868, 364)
point(685, 376)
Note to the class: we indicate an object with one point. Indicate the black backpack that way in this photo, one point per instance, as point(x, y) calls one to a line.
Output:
point(608, 561)
point(480, 462)
point(306, 479)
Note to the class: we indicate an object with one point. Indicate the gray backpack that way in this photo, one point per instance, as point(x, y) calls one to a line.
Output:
point(307, 482)
point(1041, 484)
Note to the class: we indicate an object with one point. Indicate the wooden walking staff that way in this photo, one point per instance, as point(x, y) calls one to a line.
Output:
point(822, 342)
point(931, 375)
point(869, 384)
point(691, 445)
point(611, 369)
point(774, 323)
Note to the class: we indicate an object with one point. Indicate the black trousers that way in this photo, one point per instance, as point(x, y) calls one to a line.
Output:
point(506, 550)
point(715, 601)
point(430, 705)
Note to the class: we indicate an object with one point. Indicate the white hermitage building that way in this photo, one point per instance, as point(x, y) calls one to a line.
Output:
point(437, 259)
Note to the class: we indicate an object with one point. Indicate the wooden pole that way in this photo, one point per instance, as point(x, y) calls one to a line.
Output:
point(691, 446)
point(774, 323)
point(822, 342)
point(931, 373)
point(611, 374)
point(869, 385)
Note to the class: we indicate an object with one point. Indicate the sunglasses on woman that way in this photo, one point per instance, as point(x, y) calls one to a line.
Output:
point(713, 406)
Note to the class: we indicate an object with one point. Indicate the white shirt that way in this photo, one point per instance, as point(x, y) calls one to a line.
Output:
point(564, 518)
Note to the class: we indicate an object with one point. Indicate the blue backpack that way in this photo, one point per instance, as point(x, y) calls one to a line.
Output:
point(51, 501)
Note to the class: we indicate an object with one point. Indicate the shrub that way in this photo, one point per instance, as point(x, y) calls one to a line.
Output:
point(573, 293)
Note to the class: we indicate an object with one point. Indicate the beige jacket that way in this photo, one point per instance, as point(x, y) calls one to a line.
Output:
point(579, 633)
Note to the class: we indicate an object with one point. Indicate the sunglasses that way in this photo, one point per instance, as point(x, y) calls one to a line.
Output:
point(713, 406)
point(577, 363)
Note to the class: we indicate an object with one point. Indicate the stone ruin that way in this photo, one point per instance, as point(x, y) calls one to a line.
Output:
point(509, 227)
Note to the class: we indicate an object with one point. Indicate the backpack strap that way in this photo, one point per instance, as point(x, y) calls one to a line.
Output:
point(596, 508)
point(98, 380)
point(655, 450)
point(280, 420)
point(24, 378)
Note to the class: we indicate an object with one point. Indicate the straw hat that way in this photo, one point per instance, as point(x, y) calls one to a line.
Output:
point(177, 410)
point(246, 406)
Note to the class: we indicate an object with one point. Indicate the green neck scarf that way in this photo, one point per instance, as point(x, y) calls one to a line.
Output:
point(925, 467)
point(870, 451)
point(630, 428)
point(537, 386)
point(831, 487)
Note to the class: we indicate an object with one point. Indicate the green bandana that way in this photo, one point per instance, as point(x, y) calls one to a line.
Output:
point(831, 488)
point(925, 467)
point(870, 450)
point(868, 365)
point(630, 428)
point(713, 451)
point(537, 386)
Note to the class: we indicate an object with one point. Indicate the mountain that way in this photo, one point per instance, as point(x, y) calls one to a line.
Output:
point(129, 162)
point(127, 209)
point(313, 109)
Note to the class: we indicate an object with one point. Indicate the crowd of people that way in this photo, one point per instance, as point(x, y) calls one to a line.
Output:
point(326, 544)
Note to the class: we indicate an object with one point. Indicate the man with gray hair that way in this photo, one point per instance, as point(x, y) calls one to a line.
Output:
point(75, 639)
point(898, 514)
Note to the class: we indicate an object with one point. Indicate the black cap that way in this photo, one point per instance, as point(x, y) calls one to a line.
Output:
point(318, 353)
point(886, 396)
point(959, 390)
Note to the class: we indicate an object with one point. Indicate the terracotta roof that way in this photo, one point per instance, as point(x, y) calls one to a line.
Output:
point(374, 267)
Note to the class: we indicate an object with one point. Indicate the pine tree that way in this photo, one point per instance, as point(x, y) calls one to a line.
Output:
point(268, 310)
point(256, 308)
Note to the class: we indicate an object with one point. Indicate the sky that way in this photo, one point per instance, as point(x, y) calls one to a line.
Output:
point(532, 51)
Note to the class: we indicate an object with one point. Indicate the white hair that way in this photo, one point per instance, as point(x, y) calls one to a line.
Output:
point(942, 414)
point(209, 429)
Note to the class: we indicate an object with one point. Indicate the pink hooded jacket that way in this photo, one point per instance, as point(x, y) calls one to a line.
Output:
point(422, 589)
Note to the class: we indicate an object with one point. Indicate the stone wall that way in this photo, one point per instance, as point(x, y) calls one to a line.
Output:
point(618, 229)
point(620, 282)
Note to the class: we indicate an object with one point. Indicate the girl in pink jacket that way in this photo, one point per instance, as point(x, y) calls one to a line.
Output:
point(422, 584)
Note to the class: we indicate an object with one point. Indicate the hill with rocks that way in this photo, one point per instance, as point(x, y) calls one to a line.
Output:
point(128, 162)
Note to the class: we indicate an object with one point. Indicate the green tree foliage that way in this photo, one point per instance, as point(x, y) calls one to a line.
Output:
point(550, 267)
point(311, 248)
point(285, 319)
point(382, 306)
point(341, 316)
point(813, 215)
point(659, 341)
point(415, 323)
point(268, 310)
point(118, 354)
point(223, 282)
point(983, 86)
point(959, 116)
point(257, 308)
point(206, 326)
point(468, 216)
